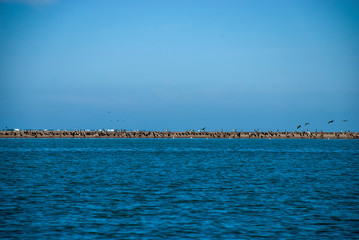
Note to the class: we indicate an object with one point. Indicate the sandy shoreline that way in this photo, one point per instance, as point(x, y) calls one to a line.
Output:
point(187, 134)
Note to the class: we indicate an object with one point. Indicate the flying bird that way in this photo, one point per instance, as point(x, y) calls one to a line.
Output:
point(345, 120)
point(299, 126)
point(203, 129)
point(306, 124)
point(331, 121)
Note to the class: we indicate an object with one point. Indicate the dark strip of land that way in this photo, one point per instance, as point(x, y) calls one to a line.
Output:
point(169, 134)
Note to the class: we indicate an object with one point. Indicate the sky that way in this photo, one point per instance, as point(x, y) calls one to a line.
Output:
point(179, 65)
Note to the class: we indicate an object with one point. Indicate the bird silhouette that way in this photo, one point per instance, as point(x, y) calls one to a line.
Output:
point(345, 120)
point(203, 129)
point(331, 121)
point(299, 126)
point(306, 124)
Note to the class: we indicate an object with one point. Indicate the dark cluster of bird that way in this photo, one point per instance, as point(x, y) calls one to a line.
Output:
point(114, 120)
point(331, 121)
point(299, 126)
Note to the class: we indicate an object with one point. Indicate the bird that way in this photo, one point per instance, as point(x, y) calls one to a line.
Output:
point(331, 121)
point(299, 126)
point(306, 124)
point(203, 129)
point(345, 120)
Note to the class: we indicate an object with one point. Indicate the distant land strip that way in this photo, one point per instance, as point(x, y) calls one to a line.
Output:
point(170, 134)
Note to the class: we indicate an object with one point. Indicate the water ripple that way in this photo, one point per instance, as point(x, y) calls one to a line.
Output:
point(182, 188)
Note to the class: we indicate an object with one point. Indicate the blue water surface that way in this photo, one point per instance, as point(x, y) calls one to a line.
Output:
point(179, 189)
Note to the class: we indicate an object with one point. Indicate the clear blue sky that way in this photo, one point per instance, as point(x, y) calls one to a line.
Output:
point(179, 65)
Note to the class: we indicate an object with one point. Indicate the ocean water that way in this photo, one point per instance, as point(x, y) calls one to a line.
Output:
point(179, 189)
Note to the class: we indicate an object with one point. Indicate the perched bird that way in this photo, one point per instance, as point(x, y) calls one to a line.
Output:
point(299, 126)
point(331, 121)
point(306, 124)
